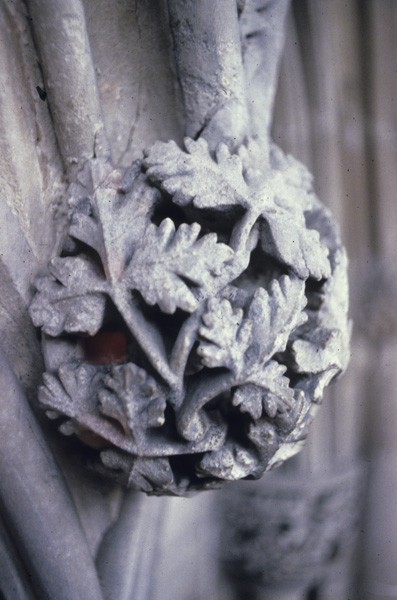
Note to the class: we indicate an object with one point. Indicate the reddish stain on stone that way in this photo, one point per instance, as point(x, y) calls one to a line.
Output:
point(91, 439)
point(106, 347)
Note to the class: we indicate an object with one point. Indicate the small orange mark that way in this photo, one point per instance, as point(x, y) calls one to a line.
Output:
point(91, 439)
point(106, 347)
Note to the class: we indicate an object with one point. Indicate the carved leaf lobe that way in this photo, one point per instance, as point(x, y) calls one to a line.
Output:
point(169, 262)
point(226, 336)
point(71, 299)
point(116, 218)
point(193, 176)
point(133, 398)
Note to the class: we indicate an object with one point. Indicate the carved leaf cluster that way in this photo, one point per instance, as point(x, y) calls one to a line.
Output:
point(168, 262)
point(234, 328)
point(194, 177)
point(245, 345)
point(171, 267)
point(241, 344)
point(133, 398)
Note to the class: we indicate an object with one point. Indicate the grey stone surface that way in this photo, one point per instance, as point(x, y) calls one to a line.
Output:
point(312, 525)
point(228, 295)
point(36, 502)
point(70, 84)
point(31, 175)
point(131, 47)
point(173, 314)
point(262, 40)
point(30, 183)
point(209, 68)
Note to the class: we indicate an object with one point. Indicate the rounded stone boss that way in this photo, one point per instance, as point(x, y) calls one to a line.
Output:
point(195, 314)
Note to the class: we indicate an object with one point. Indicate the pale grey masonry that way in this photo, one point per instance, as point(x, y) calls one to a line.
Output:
point(175, 296)
point(222, 272)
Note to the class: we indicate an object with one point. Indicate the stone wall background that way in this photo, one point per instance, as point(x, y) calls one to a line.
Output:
point(335, 111)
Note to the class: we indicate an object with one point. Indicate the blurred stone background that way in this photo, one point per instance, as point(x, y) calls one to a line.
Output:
point(335, 111)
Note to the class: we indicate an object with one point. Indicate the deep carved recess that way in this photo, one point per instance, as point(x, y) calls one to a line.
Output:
point(197, 310)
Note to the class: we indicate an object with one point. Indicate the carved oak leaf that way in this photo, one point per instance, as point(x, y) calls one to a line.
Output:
point(242, 345)
point(193, 176)
point(267, 392)
point(73, 299)
point(133, 398)
point(168, 262)
point(70, 299)
point(115, 218)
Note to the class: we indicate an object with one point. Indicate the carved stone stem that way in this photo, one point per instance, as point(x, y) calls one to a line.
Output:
point(126, 558)
point(37, 506)
point(61, 36)
point(209, 66)
point(262, 40)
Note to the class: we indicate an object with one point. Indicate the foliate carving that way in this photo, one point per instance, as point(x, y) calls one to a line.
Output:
point(195, 313)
